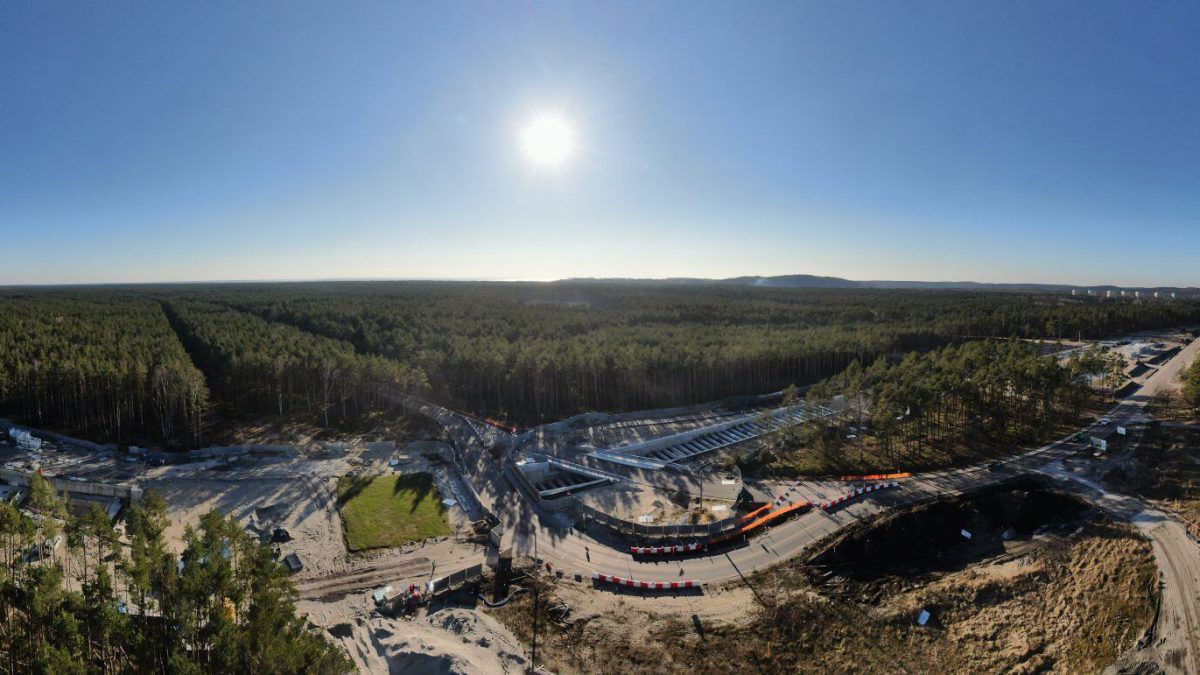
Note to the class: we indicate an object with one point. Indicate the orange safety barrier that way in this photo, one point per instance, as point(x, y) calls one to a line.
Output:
point(760, 521)
point(755, 513)
point(648, 585)
point(877, 476)
point(501, 425)
point(775, 515)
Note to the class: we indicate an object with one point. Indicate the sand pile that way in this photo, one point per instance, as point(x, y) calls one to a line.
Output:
point(448, 641)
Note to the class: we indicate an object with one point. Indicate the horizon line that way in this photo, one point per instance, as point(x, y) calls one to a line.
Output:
point(548, 280)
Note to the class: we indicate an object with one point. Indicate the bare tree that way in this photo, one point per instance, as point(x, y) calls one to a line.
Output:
point(165, 399)
point(330, 371)
point(279, 369)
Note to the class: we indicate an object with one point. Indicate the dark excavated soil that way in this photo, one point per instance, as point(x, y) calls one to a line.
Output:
point(928, 538)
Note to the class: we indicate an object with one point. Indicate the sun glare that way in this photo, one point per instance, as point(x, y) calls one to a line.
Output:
point(548, 140)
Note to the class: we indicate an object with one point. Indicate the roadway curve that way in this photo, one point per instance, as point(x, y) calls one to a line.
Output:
point(545, 535)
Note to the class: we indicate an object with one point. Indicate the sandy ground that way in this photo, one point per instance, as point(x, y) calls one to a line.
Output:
point(602, 618)
point(417, 563)
point(631, 502)
point(296, 492)
point(728, 604)
point(1179, 366)
point(451, 640)
point(1058, 606)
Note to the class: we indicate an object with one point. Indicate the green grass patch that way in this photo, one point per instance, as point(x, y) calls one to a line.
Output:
point(391, 510)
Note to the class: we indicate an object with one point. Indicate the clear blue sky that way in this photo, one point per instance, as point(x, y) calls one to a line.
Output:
point(1005, 141)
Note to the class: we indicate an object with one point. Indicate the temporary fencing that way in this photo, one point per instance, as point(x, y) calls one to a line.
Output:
point(647, 585)
point(666, 550)
point(857, 492)
point(876, 476)
point(455, 581)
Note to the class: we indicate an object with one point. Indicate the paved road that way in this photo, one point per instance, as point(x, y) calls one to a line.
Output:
point(532, 531)
point(1177, 644)
point(1166, 374)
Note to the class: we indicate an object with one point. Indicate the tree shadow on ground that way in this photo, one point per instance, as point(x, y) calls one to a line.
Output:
point(349, 487)
point(419, 484)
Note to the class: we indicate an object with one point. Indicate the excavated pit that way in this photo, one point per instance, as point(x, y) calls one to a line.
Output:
point(930, 538)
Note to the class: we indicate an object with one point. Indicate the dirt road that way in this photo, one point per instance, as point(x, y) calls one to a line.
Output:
point(1177, 642)
point(336, 585)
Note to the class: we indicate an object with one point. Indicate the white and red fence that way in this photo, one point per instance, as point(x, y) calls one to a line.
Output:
point(648, 585)
point(666, 550)
point(857, 492)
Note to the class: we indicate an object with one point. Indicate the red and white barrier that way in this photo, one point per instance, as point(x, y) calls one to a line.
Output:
point(666, 550)
point(857, 492)
point(648, 585)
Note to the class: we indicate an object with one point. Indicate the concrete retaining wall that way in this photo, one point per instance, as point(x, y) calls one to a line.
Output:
point(561, 503)
point(642, 532)
point(521, 481)
point(537, 472)
point(130, 493)
point(159, 456)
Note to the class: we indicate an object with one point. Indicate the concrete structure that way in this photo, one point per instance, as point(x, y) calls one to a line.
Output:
point(24, 439)
point(13, 494)
point(688, 445)
point(81, 494)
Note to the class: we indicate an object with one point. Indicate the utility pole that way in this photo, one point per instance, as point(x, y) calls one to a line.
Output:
point(536, 573)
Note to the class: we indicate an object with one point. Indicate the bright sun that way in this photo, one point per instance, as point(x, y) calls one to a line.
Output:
point(548, 140)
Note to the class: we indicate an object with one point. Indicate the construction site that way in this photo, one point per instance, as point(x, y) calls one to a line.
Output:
point(633, 542)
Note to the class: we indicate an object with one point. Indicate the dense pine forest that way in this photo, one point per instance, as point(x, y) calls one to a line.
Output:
point(263, 367)
point(142, 362)
point(97, 364)
point(954, 404)
point(537, 352)
point(224, 606)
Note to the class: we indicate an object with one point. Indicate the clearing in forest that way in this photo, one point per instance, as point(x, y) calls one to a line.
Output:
point(390, 510)
point(1045, 585)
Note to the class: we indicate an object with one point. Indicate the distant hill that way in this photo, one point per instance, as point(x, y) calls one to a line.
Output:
point(813, 281)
